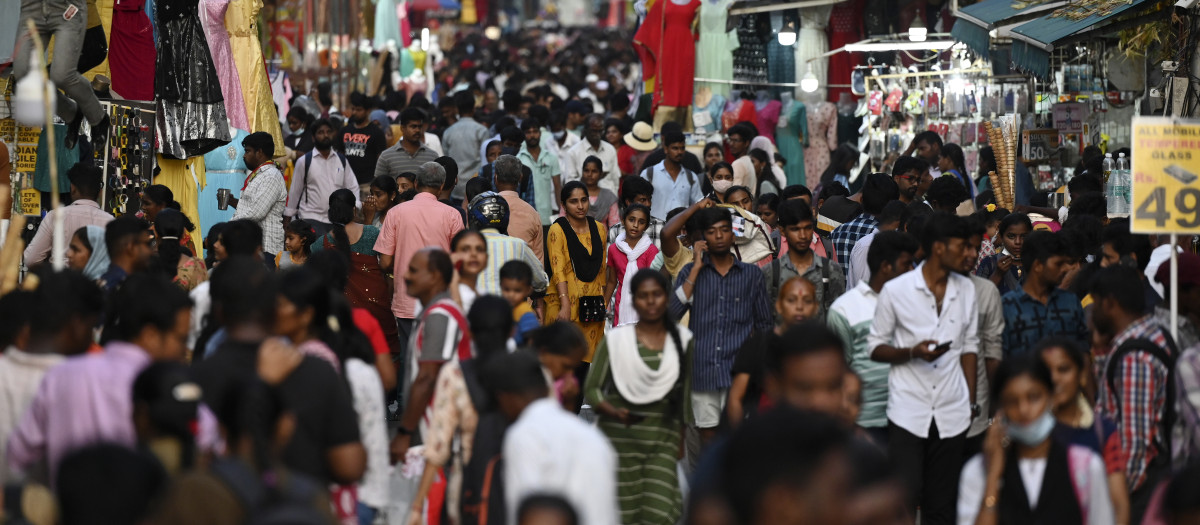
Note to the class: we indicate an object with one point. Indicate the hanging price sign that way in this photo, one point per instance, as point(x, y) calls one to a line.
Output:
point(1166, 175)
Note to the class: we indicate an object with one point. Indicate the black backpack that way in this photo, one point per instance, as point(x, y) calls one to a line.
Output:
point(1168, 360)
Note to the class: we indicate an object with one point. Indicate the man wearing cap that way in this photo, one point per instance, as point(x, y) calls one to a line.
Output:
point(593, 145)
point(641, 141)
point(488, 214)
point(1189, 299)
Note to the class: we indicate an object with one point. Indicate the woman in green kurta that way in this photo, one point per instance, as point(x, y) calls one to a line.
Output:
point(638, 383)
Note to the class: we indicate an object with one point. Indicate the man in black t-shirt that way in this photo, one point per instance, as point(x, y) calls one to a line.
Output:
point(325, 444)
point(361, 142)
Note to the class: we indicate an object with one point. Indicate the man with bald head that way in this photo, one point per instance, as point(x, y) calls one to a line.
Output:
point(440, 337)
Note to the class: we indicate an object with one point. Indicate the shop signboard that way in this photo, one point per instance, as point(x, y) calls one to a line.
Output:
point(31, 201)
point(8, 130)
point(1165, 175)
point(27, 143)
point(1069, 116)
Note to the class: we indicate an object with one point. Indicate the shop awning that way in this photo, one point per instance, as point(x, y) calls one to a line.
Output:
point(981, 18)
point(1034, 40)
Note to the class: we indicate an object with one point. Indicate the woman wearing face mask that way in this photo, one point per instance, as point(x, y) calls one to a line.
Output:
point(719, 180)
point(1023, 475)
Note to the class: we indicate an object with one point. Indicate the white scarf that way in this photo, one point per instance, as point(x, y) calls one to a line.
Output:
point(625, 312)
point(636, 381)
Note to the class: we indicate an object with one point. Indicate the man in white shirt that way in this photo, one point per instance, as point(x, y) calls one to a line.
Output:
point(592, 145)
point(84, 210)
point(926, 326)
point(318, 174)
point(548, 450)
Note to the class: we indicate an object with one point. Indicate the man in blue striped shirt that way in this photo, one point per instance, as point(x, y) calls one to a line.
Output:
point(728, 301)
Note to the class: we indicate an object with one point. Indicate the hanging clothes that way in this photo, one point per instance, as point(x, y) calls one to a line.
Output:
point(714, 49)
point(131, 51)
point(281, 93)
point(706, 116)
point(212, 17)
point(185, 178)
point(667, 47)
point(845, 27)
point(66, 158)
point(822, 137)
point(241, 20)
point(405, 25)
point(781, 59)
point(10, 16)
point(766, 117)
point(95, 41)
point(191, 116)
point(811, 43)
point(104, 9)
point(387, 24)
point(791, 136)
point(224, 167)
point(750, 58)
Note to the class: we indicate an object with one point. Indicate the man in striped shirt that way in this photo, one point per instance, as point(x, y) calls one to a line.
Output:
point(851, 315)
point(728, 301)
point(1140, 396)
point(489, 215)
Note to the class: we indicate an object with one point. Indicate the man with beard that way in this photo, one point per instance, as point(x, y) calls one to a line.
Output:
point(1040, 308)
point(264, 195)
point(927, 146)
point(318, 174)
point(362, 142)
point(907, 172)
point(411, 151)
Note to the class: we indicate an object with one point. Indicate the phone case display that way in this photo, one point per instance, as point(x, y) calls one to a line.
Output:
point(127, 156)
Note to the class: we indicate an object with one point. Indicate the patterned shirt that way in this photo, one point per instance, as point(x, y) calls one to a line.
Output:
point(846, 235)
point(396, 160)
point(827, 292)
point(501, 249)
point(263, 201)
point(653, 230)
point(1143, 392)
point(1028, 321)
point(725, 310)
point(1186, 439)
point(850, 317)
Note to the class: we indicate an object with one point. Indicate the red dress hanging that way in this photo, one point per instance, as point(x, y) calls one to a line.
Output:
point(667, 48)
point(131, 51)
point(845, 27)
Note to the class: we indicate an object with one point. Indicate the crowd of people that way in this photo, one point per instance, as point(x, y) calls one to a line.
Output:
point(523, 308)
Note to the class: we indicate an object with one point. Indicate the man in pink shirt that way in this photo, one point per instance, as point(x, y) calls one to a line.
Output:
point(87, 399)
point(84, 210)
point(410, 226)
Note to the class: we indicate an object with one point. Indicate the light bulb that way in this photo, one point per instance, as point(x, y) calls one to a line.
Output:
point(809, 83)
point(787, 36)
point(31, 95)
point(492, 33)
point(917, 33)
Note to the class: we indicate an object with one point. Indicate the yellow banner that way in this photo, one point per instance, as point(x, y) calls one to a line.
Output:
point(31, 202)
point(1166, 175)
point(27, 143)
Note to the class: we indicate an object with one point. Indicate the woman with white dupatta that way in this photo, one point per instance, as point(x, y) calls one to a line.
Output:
point(638, 384)
point(631, 251)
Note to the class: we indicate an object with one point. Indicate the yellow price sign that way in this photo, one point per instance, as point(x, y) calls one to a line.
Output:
point(1166, 175)
point(31, 202)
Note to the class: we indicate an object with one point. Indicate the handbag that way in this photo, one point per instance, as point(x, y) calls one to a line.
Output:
point(591, 309)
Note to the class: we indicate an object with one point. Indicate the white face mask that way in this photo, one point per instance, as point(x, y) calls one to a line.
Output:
point(722, 186)
point(558, 135)
point(1035, 432)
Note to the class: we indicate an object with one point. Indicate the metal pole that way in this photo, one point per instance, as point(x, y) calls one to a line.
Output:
point(58, 246)
point(1174, 289)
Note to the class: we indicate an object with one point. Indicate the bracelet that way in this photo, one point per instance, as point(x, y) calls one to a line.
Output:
point(910, 356)
point(689, 281)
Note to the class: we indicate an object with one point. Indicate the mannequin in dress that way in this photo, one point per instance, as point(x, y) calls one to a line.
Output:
point(714, 51)
point(191, 117)
point(811, 43)
point(706, 115)
point(790, 137)
point(767, 112)
point(667, 46)
point(131, 51)
point(822, 136)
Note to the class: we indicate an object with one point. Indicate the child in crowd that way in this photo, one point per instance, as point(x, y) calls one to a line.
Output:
point(1004, 268)
point(297, 242)
point(406, 181)
point(631, 252)
point(991, 216)
point(516, 283)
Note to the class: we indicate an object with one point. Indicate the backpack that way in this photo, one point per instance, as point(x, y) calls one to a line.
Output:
point(1168, 360)
point(648, 174)
point(482, 498)
point(308, 167)
point(288, 503)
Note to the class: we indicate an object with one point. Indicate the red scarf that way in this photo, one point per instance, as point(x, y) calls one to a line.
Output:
point(254, 174)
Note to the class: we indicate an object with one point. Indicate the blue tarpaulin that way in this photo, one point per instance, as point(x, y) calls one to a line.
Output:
point(982, 17)
point(1034, 40)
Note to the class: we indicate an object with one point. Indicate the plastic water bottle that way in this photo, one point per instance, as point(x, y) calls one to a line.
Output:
point(1110, 185)
point(1123, 183)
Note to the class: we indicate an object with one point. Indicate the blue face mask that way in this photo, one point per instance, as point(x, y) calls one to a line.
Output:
point(1035, 432)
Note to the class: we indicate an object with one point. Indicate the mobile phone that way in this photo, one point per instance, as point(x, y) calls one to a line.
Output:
point(458, 266)
point(942, 347)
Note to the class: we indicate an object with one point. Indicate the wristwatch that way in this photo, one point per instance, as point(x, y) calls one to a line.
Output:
point(975, 408)
point(403, 431)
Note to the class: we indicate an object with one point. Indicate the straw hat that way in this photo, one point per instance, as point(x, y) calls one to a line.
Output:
point(642, 137)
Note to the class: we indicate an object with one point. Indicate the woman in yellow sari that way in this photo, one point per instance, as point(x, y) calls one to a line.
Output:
point(575, 247)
